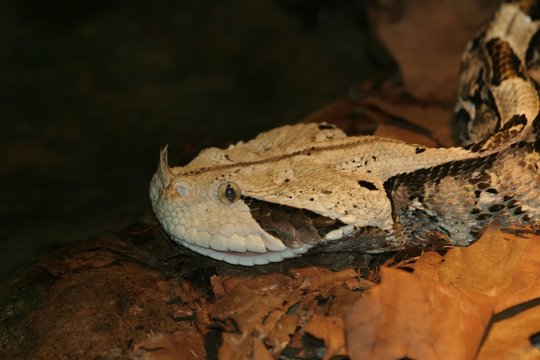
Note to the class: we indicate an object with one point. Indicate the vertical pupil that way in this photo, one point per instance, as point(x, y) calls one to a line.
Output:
point(230, 194)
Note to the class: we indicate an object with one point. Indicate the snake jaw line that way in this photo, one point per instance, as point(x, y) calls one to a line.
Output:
point(245, 258)
point(297, 187)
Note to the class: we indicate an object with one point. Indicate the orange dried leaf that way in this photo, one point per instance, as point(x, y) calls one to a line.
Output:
point(282, 333)
point(259, 282)
point(416, 317)
point(428, 48)
point(333, 112)
point(435, 119)
point(330, 329)
point(260, 352)
point(499, 264)
point(236, 347)
point(247, 308)
point(315, 278)
point(428, 264)
point(270, 320)
point(187, 345)
point(510, 338)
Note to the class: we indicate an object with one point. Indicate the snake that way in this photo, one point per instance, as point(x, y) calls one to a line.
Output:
point(309, 187)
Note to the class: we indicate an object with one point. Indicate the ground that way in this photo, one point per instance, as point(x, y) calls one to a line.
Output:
point(129, 292)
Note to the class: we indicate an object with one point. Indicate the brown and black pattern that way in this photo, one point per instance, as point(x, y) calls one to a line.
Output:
point(536, 133)
point(486, 120)
point(294, 227)
point(536, 127)
point(505, 64)
point(532, 55)
point(535, 138)
point(415, 181)
point(509, 203)
point(405, 188)
point(504, 136)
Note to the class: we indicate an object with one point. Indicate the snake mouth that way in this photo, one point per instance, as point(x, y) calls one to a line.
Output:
point(245, 258)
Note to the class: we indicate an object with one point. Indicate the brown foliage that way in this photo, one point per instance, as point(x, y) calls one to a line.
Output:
point(476, 302)
point(137, 295)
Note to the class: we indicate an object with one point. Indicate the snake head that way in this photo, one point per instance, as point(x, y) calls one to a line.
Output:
point(208, 214)
point(272, 198)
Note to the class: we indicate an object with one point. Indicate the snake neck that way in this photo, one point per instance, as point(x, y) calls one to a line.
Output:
point(452, 202)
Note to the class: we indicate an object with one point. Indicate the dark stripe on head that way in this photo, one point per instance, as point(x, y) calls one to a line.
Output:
point(505, 64)
point(309, 151)
point(295, 227)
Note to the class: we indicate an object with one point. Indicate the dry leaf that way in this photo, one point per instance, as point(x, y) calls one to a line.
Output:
point(260, 352)
point(217, 285)
point(273, 307)
point(282, 333)
point(399, 133)
point(188, 346)
point(80, 262)
point(427, 38)
point(407, 315)
point(274, 282)
point(330, 329)
point(435, 119)
point(334, 112)
point(236, 347)
point(428, 265)
point(243, 346)
point(247, 308)
point(316, 278)
point(499, 264)
point(510, 338)
point(271, 319)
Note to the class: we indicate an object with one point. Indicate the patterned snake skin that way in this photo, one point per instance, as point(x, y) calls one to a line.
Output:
point(309, 187)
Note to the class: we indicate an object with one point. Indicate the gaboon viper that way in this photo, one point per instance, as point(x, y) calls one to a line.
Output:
point(306, 186)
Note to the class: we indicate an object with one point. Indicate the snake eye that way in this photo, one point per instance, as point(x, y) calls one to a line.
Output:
point(229, 192)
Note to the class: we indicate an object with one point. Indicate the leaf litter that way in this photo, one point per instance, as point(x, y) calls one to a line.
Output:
point(136, 295)
point(477, 302)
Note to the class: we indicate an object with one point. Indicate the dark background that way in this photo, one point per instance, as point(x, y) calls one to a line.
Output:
point(91, 90)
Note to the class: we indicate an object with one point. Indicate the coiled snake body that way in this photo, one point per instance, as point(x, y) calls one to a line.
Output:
point(306, 186)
